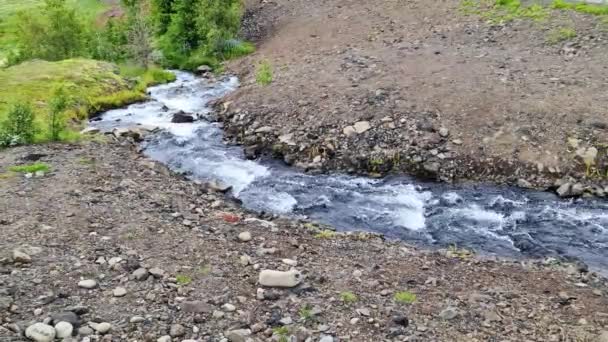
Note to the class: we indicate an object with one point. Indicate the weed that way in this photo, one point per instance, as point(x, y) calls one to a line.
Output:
point(282, 332)
point(264, 73)
point(348, 297)
point(183, 279)
point(593, 9)
point(560, 35)
point(405, 297)
point(325, 234)
point(19, 127)
point(31, 168)
point(305, 313)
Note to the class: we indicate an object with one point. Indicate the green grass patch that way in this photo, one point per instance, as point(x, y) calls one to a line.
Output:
point(93, 86)
point(31, 168)
point(183, 279)
point(263, 74)
point(593, 9)
point(326, 234)
point(305, 313)
point(560, 35)
point(348, 297)
point(405, 297)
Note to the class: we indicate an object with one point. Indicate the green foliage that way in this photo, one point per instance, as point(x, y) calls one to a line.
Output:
point(348, 297)
point(263, 74)
point(305, 313)
point(281, 331)
point(593, 9)
point(56, 33)
point(560, 35)
point(109, 43)
point(405, 297)
point(31, 168)
point(183, 279)
point(19, 127)
point(57, 120)
point(325, 234)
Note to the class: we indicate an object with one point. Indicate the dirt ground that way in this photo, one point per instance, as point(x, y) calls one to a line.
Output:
point(446, 95)
point(168, 261)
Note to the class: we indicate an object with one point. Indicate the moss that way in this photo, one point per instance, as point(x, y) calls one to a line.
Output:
point(405, 297)
point(348, 297)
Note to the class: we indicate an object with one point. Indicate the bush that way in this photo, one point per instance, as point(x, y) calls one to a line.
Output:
point(57, 120)
point(19, 127)
point(264, 73)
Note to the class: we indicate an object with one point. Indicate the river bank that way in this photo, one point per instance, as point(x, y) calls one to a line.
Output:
point(104, 211)
point(431, 92)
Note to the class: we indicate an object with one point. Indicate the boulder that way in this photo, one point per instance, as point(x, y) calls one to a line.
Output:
point(181, 117)
point(40, 332)
point(273, 278)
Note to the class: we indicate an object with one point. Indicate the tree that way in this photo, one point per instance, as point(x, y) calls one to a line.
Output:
point(57, 106)
point(139, 38)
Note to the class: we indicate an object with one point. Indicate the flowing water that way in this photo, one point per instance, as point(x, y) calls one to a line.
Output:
point(493, 220)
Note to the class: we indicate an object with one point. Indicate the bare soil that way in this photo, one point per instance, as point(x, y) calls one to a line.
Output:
point(505, 97)
point(104, 211)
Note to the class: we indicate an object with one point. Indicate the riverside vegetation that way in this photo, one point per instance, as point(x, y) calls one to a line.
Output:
point(63, 60)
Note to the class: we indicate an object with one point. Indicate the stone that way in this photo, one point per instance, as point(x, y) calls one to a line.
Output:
point(363, 312)
point(196, 307)
point(165, 338)
point(362, 127)
point(349, 131)
point(449, 313)
point(602, 337)
point(19, 256)
point(119, 292)
point(265, 129)
point(238, 335)
point(357, 273)
point(181, 117)
point(273, 278)
point(66, 316)
point(177, 330)
point(245, 236)
point(101, 328)
point(88, 284)
point(157, 272)
point(85, 331)
point(228, 307)
point(140, 274)
point(401, 320)
point(63, 329)
point(218, 314)
point(5, 303)
point(40, 332)
point(218, 186)
point(326, 338)
point(444, 132)
point(289, 262)
point(137, 319)
point(203, 69)
point(431, 167)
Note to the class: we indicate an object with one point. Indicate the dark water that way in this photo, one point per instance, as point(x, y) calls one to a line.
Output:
point(494, 220)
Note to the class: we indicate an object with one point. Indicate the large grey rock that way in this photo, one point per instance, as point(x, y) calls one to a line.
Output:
point(273, 278)
point(119, 292)
point(449, 313)
point(101, 328)
point(140, 274)
point(88, 284)
point(40, 332)
point(177, 330)
point(66, 316)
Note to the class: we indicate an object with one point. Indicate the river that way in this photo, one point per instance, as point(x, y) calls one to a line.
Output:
point(492, 220)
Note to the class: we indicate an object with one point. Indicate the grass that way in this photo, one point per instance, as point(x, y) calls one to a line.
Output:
point(348, 297)
point(560, 35)
point(405, 297)
point(325, 234)
point(90, 9)
point(263, 74)
point(183, 279)
point(94, 86)
point(30, 168)
point(282, 333)
point(305, 313)
point(593, 9)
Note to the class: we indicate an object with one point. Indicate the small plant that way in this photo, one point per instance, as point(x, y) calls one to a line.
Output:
point(19, 127)
point(183, 279)
point(264, 73)
point(305, 313)
point(405, 297)
point(31, 168)
point(348, 297)
point(204, 270)
point(57, 121)
point(462, 253)
point(282, 332)
point(563, 34)
point(325, 234)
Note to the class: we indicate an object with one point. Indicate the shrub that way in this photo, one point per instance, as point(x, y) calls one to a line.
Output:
point(264, 73)
point(19, 127)
point(31, 168)
point(348, 297)
point(57, 120)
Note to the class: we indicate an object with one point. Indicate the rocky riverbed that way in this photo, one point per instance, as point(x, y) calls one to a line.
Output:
point(111, 246)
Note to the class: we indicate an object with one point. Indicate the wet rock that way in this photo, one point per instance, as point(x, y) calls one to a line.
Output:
point(273, 278)
point(431, 167)
point(239, 335)
point(570, 190)
point(203, 70)
point(40, 332)
point(87, 284)
point(66, 316)
point(218, 186)
point(63, 329)
point(181, 117)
